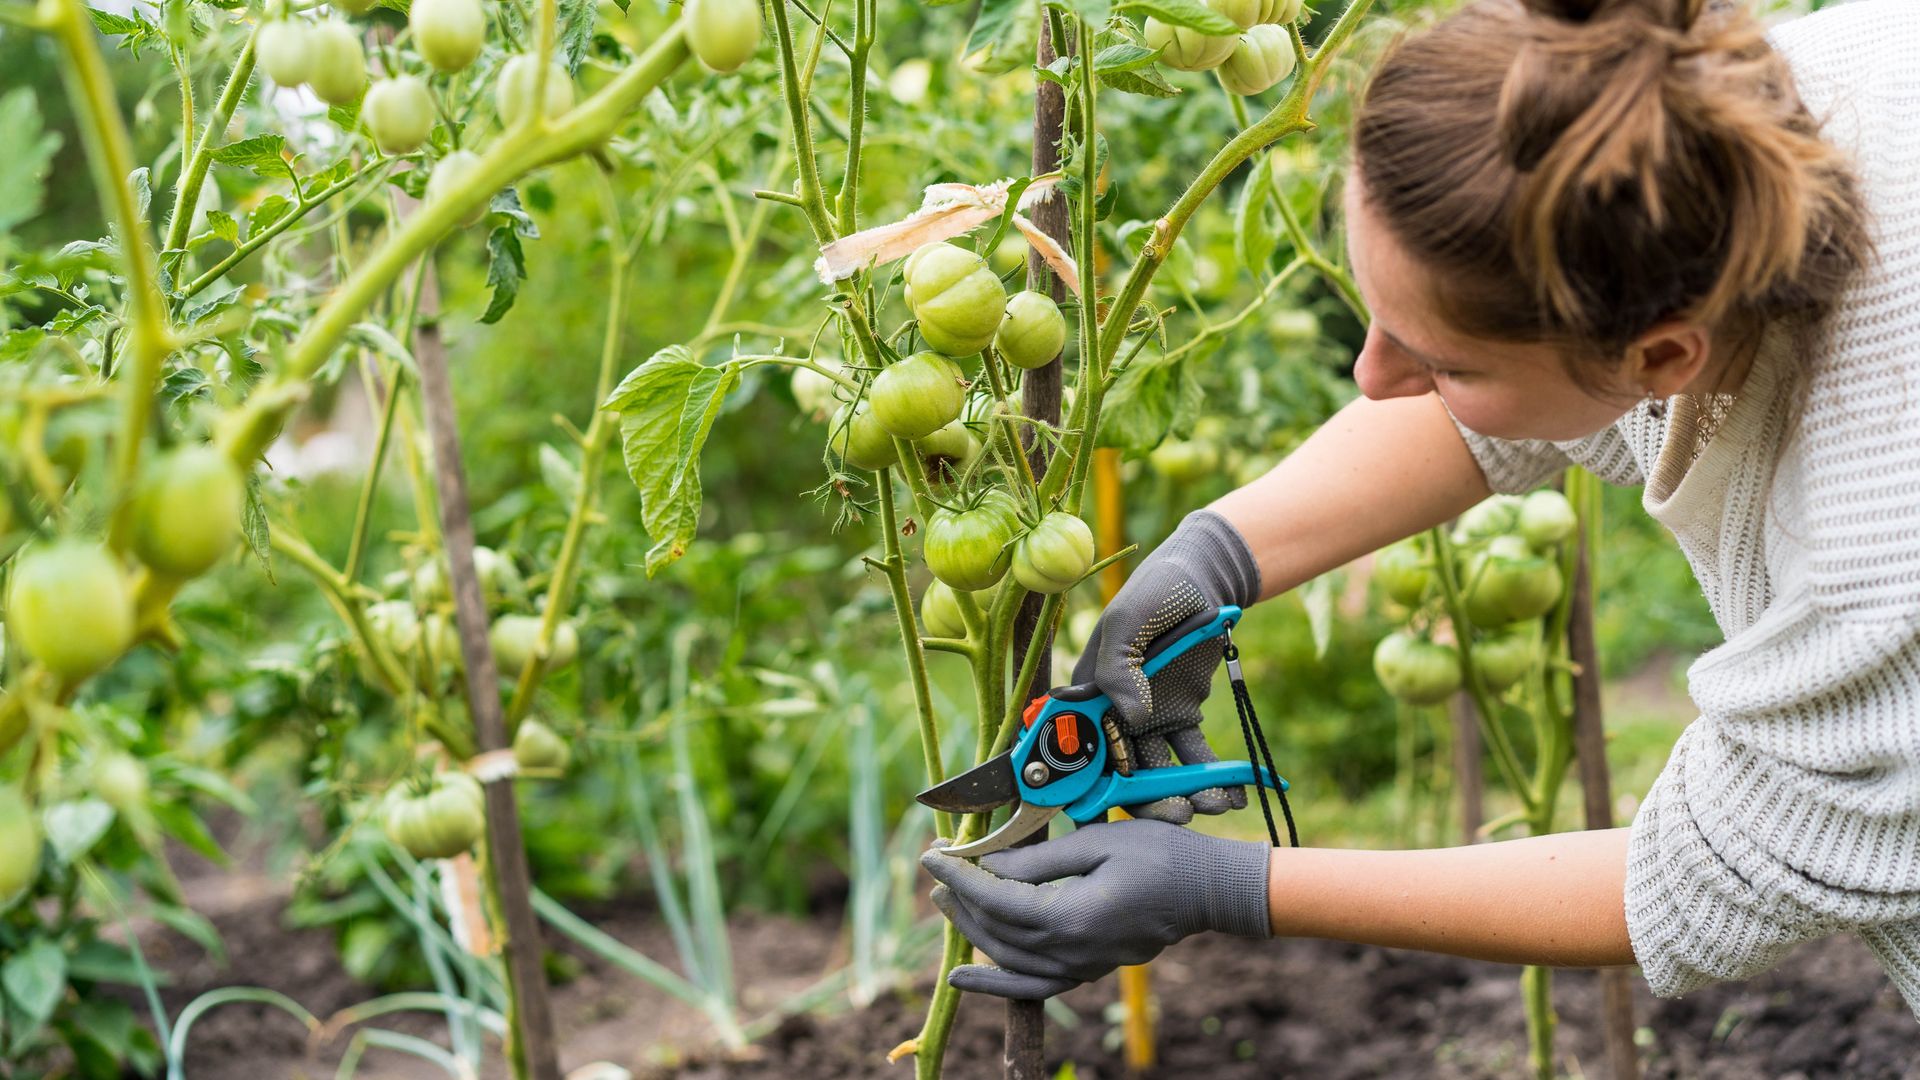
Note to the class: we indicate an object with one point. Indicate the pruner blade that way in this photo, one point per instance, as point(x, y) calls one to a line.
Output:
point(1027, 819)
point(987, 786)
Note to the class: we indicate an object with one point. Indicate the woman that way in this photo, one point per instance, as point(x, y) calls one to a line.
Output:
point(1646, 239)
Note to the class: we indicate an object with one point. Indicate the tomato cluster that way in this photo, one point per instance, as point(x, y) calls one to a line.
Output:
point(1255, 60)
point(1508, 577)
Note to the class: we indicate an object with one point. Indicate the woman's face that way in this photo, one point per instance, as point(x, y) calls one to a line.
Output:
point(1499, 388)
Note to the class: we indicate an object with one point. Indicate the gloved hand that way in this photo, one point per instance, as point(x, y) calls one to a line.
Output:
point(1068, 911)
point(1204, 565)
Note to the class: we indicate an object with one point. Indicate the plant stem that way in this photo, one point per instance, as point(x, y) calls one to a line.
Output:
point(363, 512)
point(896, 570)
point(258, 240)
point(110, 158)
point(187, 192)
point(865, 14)
point(812, 203)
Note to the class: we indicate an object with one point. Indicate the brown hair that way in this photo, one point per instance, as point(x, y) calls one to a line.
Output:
point(1578, 170)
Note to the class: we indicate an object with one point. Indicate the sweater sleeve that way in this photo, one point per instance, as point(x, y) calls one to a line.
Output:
point(1515, 466)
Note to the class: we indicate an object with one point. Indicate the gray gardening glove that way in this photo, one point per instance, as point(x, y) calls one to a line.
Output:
point(1068, 911)
point(1204, 565)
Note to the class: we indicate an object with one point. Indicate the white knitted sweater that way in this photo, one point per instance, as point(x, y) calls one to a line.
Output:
point(1790, 809)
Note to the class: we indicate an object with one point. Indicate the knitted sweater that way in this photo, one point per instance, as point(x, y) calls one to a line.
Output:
point(1790, 809)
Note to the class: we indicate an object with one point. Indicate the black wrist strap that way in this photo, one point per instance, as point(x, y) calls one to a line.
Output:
point(1257, 750)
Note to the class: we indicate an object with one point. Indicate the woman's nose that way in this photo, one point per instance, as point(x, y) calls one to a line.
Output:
point(1383, 371)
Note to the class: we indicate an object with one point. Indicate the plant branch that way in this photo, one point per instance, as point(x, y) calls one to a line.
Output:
point(187, 193)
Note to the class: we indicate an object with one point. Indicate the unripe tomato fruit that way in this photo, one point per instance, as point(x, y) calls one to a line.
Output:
point(1280, 11)
point(1033, 331)
point(1054, 554)
point(1244, 13)
point(70, 608)
point(1184, 460)
point(283, 53)
point(1546, 518)
point(513, 94)
point(398, 114)
point(956, 297)
point(19, 846)
point(355, 7)
point(396, 625)
point(940, 612)
point(947, 452)
point(917, 396)
point(1492, 517)
point(1415, 670)
point(448, 33)
point(499, 579)
point(723, 33)
point(537, 746)
point(337, 69)
point(971, 549)
point(859, 440)
point(514, 636)
point(1506, 657)
point(450, 818)
point(813, 392)
point(440, 648)
point(187, 511)
point(1507, 583)
point(447, 175)
point(120, 779)
point(1188, 50)
point(1261, 57)
point(1402, 573)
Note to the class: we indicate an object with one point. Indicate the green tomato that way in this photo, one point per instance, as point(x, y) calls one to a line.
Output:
point(282, 51)
point(1402, 573)
point(940, 611)
point(1055, 554)
point(513, 94)
point(1261, 57)
point(187, 511)
point(70, 608)
point(1293, 324)
point(1244, 13)
point(1280, 12)
point(1506, 657)
point(1033, 331)
point(120, 779)
point(448, 33)
point(972, 549)
point(449, 819)
point(448, 175)
point(398, 114)
point(1187, 50)
point(723, 33)
point(918, 396)
point(355, 7)
point(1416, 670)
point(20, 843)
point(814, 392)
point(947, 453)
point(1546, 518)
point(1184, 461)
point(338, 66)
point(859, 440)
point(1493, 517)
point(514, 637)
point(956, 297)
point(500, 580)
point(396, 624)
point(440, 651)
point(1505, 586)
point(537, 746)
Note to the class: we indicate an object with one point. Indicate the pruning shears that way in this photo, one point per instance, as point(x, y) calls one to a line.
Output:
point(1072, 756)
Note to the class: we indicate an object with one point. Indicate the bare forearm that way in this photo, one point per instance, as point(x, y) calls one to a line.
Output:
point(1376, 472)
point(1554, 900)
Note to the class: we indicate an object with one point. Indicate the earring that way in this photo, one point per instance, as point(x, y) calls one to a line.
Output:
point(1656, 407)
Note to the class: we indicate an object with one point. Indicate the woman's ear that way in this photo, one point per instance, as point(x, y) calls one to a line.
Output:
point(1668, 358)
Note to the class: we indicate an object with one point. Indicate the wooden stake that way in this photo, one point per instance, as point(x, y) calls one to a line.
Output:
point(531, 1050)
point(1025, 1055)
point(1467, 777)
point(1590, 751)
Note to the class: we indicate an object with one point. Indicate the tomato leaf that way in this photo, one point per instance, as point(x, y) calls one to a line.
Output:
point(34, 979)
point(1191, 14)
point(1255, 235)
point(23, 169)
point(1124, 56)
point(261, 155)
point(253, 526)
point(667, 407)
point(1317, 596)
point(1151, 399)
point(576, 31)
point(1004, 36)
point(74, 827)
point(506, 269)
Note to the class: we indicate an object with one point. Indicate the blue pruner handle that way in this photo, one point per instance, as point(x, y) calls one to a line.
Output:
point(1147, 785)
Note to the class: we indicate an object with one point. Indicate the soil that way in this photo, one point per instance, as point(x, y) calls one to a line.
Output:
point(1228, 1010)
